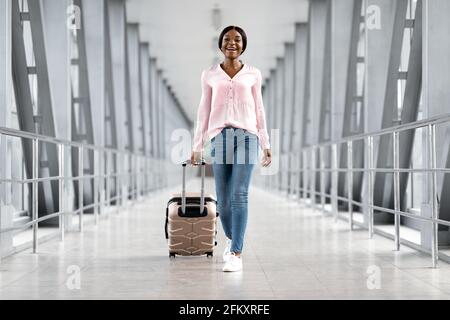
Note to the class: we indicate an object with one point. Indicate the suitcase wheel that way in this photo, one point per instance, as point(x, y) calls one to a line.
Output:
point(172, 255)
point(209, 255)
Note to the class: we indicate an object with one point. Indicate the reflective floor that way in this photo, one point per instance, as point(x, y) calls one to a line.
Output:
point(291, 252)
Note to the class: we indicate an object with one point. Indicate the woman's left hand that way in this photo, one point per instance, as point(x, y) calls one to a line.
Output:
point(267, 159)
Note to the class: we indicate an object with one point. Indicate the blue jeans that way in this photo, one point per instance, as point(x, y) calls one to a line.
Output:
point(234, 153)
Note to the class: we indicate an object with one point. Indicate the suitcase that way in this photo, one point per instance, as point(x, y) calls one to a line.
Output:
point(191, 221)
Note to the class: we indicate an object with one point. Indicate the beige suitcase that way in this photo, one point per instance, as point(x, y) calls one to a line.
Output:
point(191, 221)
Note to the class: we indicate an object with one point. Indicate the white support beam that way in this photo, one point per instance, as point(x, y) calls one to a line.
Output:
point(5, 110)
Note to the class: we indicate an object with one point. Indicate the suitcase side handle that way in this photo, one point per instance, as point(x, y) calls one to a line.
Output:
point(183, 190)
point(202, 162)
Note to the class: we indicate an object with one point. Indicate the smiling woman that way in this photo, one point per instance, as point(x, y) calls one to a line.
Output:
point(231, 115)
point(236, 47)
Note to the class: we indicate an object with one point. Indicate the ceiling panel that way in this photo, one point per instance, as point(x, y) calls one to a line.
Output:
point(182, 34)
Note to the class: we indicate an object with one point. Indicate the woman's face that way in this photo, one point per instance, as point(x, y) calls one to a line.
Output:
point(232, 44)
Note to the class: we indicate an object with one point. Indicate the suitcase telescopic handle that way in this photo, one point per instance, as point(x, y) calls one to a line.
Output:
point(183, 190)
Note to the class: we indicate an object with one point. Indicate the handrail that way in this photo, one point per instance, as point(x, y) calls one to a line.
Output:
point(313, 161)
point(391, 211)
point(444, 118)
point(57, 214)
point(138, 178)
point(33, 136)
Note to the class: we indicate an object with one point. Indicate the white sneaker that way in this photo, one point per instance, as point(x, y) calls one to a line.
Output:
point(226, 252)
point(233, 264)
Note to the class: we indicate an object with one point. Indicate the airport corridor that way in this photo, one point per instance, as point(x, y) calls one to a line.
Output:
point(342, 105)
point(291, 252)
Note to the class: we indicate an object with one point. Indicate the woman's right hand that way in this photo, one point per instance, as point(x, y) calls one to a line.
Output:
point(267, 159)
point(196, 157)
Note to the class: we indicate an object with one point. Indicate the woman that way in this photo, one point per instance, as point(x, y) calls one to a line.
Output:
point(231, 112)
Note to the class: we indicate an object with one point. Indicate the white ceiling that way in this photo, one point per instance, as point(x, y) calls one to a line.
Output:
point(181, 35)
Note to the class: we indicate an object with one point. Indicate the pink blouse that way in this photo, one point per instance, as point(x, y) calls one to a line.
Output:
point(229, 101)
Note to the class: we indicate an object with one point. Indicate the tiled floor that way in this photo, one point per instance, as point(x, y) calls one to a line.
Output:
point(291, 252)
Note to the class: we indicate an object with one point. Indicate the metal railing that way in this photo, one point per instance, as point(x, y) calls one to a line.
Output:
point(135, 175)
point(298, 171)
